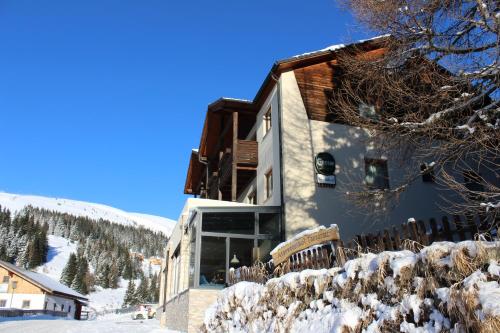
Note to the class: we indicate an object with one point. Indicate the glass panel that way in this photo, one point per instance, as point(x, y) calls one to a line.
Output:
point(269, 224)
point(213, 261)
point(234, 223)
point(240, 252)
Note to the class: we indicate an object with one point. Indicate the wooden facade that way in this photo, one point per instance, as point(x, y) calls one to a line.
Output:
point(227, 160)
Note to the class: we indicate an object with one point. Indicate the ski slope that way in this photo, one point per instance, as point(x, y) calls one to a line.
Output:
point(16, 202)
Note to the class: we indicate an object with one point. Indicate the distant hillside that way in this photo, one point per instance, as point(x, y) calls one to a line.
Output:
point(16, 202)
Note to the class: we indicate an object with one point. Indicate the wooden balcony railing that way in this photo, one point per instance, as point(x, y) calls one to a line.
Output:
point(247, 152)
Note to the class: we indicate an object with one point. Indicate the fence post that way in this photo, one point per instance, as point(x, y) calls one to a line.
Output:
point(434, 231)
point(397, 238)
point(424, 238)
point(446, 229)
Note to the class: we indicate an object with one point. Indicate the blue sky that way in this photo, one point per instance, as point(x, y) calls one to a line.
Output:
point(102, 100)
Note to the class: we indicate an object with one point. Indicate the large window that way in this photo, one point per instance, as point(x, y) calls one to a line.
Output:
point(377, 175)
point(269, 184)
point(234, 223)
point(213, 261)
point(26, 304)
point(267, 121)
point(228, 239)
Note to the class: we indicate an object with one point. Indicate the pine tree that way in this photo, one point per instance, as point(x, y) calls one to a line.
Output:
point(69, 271)
point(142, 290)
point(80, 281)
point(154, 289)
point(113, 277)
point(130, 299)
point(103, 276)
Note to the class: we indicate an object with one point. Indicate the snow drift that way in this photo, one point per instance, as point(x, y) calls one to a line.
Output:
point(444, 287)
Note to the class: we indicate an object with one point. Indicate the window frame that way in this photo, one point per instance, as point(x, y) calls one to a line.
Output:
point(268, 177)
point(267, 119)
point(378, 162)
point(26, 304)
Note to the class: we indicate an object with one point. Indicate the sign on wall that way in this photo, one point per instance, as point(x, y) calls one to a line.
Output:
point(324, 163)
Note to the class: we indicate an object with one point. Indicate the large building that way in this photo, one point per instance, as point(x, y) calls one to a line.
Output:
point(27, 290)
point(268, 169)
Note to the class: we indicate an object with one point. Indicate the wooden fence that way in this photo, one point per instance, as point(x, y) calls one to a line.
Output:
point(335, 254)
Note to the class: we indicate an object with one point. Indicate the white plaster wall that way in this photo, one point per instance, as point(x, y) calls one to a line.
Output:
point(37, 301)
point(59, 301)
point(268, 152)
point(306, 204)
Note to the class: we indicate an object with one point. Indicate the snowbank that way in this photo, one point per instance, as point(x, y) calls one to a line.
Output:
point(445, 287)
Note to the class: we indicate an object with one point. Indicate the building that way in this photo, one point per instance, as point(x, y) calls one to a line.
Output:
point(268, 169)
point(27, 290)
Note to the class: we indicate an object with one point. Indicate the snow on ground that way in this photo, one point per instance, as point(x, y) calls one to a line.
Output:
point(105, 299)
point(16, 202)
point(59, 250)
point(106, 324)
point(102, 299)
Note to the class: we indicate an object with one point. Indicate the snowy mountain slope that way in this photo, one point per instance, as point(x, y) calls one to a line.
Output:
point(16, 202)
point(101, 299)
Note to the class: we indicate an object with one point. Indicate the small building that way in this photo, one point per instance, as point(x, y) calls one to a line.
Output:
point(27, 290)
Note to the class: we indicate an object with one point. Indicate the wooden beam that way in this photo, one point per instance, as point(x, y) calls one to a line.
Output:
point(234, 173)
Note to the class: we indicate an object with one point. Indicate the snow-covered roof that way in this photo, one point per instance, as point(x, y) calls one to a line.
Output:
point(42, 281)
point(337, 47)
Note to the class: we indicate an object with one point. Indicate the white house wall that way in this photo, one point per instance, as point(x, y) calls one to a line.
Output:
point(58, 302)
point(306, 204)
point(268, 152)
point(37, 301)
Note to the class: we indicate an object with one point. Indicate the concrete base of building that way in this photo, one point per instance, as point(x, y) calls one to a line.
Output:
point(186, 311)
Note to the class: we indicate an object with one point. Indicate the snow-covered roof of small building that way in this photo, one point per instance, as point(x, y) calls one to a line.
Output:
point(43, 282)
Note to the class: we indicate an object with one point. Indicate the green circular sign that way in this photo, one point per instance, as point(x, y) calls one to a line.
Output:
point(325, 164)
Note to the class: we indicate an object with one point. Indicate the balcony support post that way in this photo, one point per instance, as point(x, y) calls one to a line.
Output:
point(234, 173)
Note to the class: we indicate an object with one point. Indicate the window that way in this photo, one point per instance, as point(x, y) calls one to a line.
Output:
point(252, 198)
point(267, 121)
point(377, 175)
point(55, 305)
point(3, 303)
point(14, 284)
point(45, 307)
point(269, 184)
point(212, 261)
point(6, 279)
point(26, 304)
point(69, 309)
point(62, 307)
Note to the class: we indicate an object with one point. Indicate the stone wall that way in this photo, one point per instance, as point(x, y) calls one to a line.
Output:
point(186, 311)
point(176, 312)
point(199, 301)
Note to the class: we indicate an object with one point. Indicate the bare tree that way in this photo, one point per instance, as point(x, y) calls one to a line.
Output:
point(434, 87)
